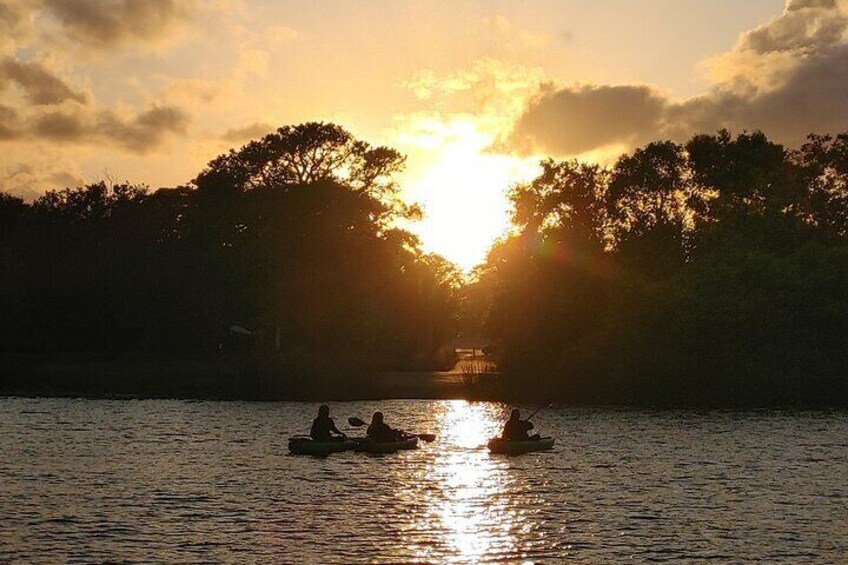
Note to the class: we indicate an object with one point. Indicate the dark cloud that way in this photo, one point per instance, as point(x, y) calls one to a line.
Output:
point(140, 134)
point(146, 131)
point(107, 23)
point(39, 85)
point(574, 120)
point(802, 87)
point(59, 126)
point(812, 98)
point(9, 123)
point(10, 17)
point(14, 22)
point(248, 132)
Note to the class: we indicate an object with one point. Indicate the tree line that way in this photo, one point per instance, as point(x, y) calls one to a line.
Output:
point(709, 272)
point(283, 256)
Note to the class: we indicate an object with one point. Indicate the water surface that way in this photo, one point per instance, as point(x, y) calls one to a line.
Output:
point(174, 481)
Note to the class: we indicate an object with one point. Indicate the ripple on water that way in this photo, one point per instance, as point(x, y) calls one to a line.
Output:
point(165, 481)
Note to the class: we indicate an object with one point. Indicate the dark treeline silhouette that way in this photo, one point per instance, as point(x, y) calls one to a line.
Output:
point(713, 272)
point(278, 272)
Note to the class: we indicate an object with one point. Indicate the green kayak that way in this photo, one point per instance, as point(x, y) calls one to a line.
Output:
point(369, 446)
point(498, 445)
point(308, 446)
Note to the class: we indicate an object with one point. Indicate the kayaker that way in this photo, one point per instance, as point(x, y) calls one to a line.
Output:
point(381, 432)
point(516, 429)
point(323, 427)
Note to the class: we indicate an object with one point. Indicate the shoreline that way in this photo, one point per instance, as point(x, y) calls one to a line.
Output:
point(404, 392)
point(192, 378)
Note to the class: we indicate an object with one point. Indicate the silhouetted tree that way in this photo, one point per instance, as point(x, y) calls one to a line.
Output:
point(720, 280)
point(823, 165)
point(298, 156)
point(712, 272)
point(748, 174)
point(293, 236)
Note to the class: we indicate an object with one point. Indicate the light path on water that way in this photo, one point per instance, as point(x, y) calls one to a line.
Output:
point(170, 481)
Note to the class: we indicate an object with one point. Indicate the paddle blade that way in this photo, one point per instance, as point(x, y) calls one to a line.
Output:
point(355, 422)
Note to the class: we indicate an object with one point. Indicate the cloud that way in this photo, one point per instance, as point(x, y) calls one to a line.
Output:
point(40, 86)
point(788, 78)
point(488, 86)
point(9, 123)
point(60, 25)
point(806, 25)
point(11, 16)
point(15, 23)
point(569, 121)
point(146, 131)
point(191, 92)
point(812, 98)
point(42, 170)
point(108, 23)
point(248, 132)
point(59, 126)
point(139, 134)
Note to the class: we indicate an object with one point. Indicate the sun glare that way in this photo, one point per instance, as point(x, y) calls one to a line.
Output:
point(463, 195)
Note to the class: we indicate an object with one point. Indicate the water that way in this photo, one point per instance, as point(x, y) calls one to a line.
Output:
point(172, 481)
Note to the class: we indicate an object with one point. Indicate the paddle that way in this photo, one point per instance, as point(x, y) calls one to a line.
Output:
point(357, 423)
point(548, 405)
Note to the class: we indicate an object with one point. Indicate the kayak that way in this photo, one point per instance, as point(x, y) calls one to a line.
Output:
point(498, 445)
point(308, 446)
point(369, 446)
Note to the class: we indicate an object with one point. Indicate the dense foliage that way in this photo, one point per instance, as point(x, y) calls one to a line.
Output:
point(281, 255)
point(710, 272)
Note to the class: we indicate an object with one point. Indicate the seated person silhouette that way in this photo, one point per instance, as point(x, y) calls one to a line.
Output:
point(381, 432)
point(323, 427)
point(516, 429)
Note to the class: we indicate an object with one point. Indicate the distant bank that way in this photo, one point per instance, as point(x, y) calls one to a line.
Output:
point(201, 378)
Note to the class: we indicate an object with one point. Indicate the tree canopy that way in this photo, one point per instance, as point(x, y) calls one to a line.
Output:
point(708, 272)
point(292, 237)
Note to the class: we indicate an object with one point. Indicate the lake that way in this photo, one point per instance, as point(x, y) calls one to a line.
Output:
point(179, 481)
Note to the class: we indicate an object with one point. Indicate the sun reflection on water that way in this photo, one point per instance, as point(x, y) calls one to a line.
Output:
point(472, 507)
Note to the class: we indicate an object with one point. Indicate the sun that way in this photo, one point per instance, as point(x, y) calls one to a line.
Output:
point(463, 192)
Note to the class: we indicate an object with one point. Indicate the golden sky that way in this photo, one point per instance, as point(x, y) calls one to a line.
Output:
point(474, 92)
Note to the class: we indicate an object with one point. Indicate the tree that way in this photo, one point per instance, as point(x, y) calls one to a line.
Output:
point(652, 201)
point(651, 188)
point(749, 174)
point(566, 194)
point(823, 166)
point(306, 154)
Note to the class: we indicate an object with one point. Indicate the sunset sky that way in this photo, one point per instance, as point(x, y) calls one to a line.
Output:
point(473, 92)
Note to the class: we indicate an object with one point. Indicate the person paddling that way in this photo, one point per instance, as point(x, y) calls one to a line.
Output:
point(516, 429)
point(381, 432)
point(323, 427)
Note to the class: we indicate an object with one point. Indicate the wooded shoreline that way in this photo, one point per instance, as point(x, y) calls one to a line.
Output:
point(708, 273)
point(192, 379)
